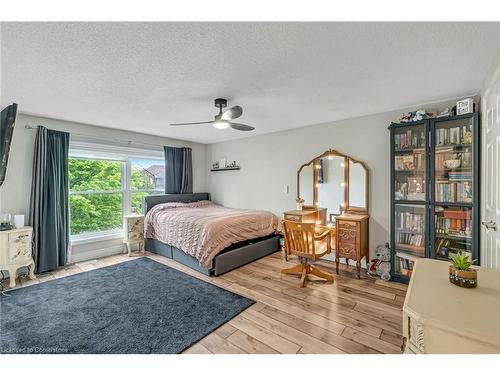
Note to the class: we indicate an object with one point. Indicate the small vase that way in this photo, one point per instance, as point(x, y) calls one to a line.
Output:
point(464, 279)
point(19, 221)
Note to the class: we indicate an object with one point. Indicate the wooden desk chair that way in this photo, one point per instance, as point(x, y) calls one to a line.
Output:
point(301, 240)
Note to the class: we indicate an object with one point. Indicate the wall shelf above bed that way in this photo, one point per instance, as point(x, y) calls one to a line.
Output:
point(225, 169)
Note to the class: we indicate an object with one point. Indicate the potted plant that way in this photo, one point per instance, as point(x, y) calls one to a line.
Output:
point(460, 272)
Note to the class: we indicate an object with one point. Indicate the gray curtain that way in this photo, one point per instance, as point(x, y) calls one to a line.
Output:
point(178, 170)
point(49, 206)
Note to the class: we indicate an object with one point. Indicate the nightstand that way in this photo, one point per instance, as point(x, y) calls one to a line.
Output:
point(134, 232)
point(16, 251)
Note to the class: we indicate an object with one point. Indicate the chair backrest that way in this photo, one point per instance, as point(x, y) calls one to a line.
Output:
point(299, 238)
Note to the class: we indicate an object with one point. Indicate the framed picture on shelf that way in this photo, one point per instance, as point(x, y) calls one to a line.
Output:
point(465, 106)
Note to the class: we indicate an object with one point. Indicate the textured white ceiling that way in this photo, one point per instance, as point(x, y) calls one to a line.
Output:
point(143, 76)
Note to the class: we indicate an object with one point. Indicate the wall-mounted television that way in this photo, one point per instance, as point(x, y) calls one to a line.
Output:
point(7, 122)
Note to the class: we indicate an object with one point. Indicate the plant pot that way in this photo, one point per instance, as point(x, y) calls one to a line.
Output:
point(464, 279)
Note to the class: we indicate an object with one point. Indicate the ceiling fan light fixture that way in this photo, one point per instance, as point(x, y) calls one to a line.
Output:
point(224, 119)
point(220, 124)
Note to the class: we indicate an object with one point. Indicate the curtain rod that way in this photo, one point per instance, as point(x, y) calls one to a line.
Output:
point(105, 138)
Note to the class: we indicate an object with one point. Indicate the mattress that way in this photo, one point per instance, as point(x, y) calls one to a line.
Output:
point(203, 229)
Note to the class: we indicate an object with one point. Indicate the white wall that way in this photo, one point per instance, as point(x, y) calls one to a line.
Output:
point(269, 162)
point(15, 192)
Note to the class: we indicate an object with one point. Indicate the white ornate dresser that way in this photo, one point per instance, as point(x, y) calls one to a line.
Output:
point(439, 317)
point(134, 232)
point(16, 251)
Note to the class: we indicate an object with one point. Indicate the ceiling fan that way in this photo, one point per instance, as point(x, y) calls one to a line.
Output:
point(223, 119)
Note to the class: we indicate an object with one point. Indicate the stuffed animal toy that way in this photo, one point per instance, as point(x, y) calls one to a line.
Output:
point(381, 265)
point(418, 115)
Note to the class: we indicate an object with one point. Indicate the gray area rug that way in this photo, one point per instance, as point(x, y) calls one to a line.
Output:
point(139, 306)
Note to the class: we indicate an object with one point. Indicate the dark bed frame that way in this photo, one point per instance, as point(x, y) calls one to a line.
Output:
point(230, 258)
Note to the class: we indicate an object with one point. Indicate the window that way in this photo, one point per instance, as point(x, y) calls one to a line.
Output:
point(104, 189)
point(96, 195)
point(147, 177)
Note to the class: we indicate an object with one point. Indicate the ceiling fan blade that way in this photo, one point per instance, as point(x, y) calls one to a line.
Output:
point(232, 113)
point(242, 127)
point(192, 123)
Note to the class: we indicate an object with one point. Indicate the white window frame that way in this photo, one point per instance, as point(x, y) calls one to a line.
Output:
point(91, 151)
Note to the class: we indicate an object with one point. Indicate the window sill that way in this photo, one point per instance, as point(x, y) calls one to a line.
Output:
point(96, 238)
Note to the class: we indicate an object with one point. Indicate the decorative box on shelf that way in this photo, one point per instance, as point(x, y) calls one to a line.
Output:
point(134, 232)
point(222, 165)
point(16, 251)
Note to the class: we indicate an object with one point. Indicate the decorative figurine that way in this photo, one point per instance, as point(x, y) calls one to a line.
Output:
point(467, 138)
point(417, 115)
point(300, 203)
point(444, 113)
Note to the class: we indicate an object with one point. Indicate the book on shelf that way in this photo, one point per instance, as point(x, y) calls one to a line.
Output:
point(445, 248)
point(458, 176)
point(412, 239)
point(404, 265)
point(410, 220)
point(409, 235)
point(457, 214)
point(415, 161)
point(410, 139)
point(454, 222)
point(448, 191)
point(451, 136)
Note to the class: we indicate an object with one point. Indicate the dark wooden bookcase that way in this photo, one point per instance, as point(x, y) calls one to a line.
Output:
point(434, 191)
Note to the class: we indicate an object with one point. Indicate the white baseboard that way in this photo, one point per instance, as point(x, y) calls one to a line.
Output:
point(97, 253)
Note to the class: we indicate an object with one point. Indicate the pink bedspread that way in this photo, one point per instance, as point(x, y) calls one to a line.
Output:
point(203, 229)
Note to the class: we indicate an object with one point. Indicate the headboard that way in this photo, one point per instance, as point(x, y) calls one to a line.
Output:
point(152, 200)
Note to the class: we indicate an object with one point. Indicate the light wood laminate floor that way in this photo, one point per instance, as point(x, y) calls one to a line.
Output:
point(349, 316)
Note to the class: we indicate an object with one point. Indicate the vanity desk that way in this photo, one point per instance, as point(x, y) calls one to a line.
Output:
point(307, 215)
point(334, 190)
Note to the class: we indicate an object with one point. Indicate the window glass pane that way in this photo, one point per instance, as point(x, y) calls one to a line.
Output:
point(137, 200)
point(454, 164)
point(147, 174)
point(92, 209)
point(95, 212)
point(409, 240)
point(94, 175)
point(410, 229)
point(453, 226)
point(409, 163)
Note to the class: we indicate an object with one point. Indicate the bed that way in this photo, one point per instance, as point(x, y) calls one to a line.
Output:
point(211, 239)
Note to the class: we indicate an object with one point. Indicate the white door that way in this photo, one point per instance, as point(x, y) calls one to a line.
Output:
point(490, 206)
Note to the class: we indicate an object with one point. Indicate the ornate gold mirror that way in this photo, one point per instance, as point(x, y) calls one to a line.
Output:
point(357, 191)
point(335, 182)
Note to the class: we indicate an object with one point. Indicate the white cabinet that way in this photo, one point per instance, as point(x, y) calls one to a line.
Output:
point(16, 251)
point(134, 232)
point(442, 318)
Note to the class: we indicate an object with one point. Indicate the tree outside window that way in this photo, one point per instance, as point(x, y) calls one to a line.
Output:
point(101, 191)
